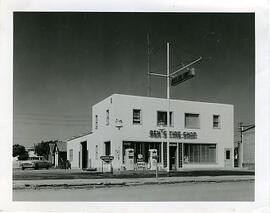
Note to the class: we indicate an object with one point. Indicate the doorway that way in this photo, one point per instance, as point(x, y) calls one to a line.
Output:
point(173, 162)
point(84, 155)
point(228, 158)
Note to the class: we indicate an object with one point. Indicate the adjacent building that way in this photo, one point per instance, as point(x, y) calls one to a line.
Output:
point(248, 135)
point(57, 153)
point(133, 129)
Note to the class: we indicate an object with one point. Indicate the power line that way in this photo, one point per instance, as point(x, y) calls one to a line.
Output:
point(50, 115)
point(52, 119)
point(52, 124)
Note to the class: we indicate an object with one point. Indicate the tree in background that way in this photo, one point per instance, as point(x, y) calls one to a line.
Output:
point(19, 150)
point(42, 149)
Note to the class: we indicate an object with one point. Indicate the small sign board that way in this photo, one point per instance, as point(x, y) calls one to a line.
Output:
point(182, 77)
point(107, 158)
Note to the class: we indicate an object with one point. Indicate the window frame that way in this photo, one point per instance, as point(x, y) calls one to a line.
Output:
point(219, 121)
point(140, 123)
point(199, 159)
point(190, 127)
point(171, 120)
point(107, 117)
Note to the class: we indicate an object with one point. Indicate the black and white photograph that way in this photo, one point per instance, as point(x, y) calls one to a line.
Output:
point(94, 94)
point(153, 107)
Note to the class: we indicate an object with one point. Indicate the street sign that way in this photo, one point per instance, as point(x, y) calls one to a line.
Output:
point(183, 77)
point(107, 158)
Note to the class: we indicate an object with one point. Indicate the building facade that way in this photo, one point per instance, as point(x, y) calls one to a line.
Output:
point(133, 128)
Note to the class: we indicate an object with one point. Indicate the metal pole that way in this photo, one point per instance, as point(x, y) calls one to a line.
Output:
point(241, 146)
point(157, 170)
point(168, 112)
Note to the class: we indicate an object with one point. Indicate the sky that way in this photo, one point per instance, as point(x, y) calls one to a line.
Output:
point(66, 62)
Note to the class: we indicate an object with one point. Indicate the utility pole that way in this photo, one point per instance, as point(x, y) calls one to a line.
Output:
point(241, 154)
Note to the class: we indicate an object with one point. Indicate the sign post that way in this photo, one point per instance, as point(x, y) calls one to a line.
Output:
point(107, 159)
point(174, 80)
point(156, 158)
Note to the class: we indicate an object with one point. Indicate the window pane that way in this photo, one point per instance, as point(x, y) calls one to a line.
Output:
point(199, 153)
point(107, 117)
point(136, 116)
point(162, 118)
point(192, 120)
point(216, 121)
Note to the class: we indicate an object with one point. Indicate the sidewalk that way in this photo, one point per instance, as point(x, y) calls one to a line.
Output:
point(114, 182)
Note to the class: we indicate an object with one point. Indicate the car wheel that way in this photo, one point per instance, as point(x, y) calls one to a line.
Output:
point(47, 167)
point(36, 167)
point(23, 168)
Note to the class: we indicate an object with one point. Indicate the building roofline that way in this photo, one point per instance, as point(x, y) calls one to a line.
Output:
point(78, 136)
point(138, 96)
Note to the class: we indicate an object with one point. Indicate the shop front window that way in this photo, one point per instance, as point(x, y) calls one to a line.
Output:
point(199, 153)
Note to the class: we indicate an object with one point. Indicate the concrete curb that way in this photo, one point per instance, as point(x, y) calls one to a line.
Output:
point(64, 184)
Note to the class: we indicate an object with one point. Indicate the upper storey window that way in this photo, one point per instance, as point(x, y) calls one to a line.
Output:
point(216, 121)
point(192, 121)
point(137, 116)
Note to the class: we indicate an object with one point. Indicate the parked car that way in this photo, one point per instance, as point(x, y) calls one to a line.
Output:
point(36, 163)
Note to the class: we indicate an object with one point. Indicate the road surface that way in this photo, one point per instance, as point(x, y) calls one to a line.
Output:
point(227, 191)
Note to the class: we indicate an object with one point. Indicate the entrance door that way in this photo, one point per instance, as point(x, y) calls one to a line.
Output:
point(84, 154)
point(228, 158)
point(173, 162)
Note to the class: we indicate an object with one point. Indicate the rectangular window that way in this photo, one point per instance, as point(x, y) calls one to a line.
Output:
point(107, 117)
point(96, 121)
point(216, 121)
point(162, 118)
point(137, 114)
point(199, 153)
point(107, 148)
point(192, 121)
point(71, 155)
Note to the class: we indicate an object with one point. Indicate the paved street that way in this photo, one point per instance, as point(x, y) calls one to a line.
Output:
point(226, 191)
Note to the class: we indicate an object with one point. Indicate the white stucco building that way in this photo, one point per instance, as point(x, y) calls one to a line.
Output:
point(201, 134)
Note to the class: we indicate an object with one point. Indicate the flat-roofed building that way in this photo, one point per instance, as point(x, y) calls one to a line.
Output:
point(200, 134)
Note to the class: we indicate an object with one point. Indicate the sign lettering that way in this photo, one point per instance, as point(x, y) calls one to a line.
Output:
point(173, 134)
